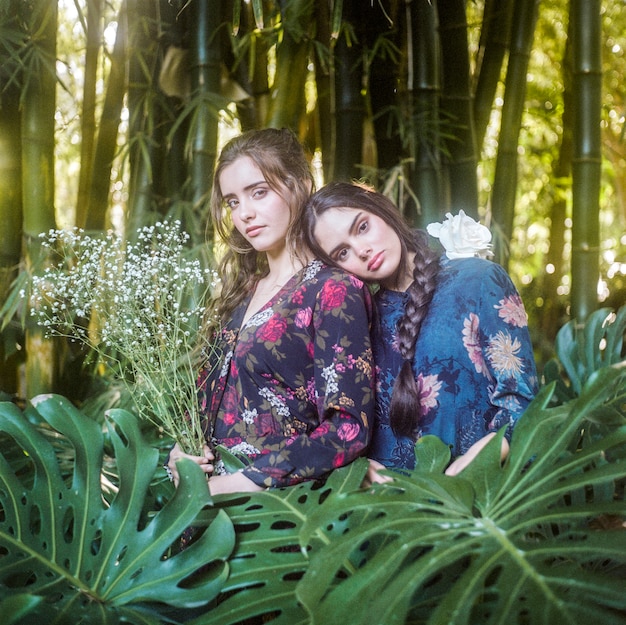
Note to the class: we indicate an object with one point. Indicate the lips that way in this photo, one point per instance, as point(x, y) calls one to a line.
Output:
point(252, 231)
point(376, 261)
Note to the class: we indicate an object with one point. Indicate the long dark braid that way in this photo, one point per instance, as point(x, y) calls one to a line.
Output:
point(405, 409)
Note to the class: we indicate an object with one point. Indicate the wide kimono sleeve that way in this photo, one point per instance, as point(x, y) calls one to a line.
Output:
point(497, 341)
point(341, 386)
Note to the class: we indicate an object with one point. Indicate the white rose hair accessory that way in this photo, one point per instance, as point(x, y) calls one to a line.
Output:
point(462, 236)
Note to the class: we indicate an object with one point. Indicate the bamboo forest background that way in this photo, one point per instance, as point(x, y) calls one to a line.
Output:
point(112, 113)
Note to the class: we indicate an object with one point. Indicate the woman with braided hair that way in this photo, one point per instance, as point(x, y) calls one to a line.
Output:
point(451, 346)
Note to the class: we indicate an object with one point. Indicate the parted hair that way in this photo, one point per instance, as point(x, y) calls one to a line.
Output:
point(405, 409)
point(282, 160)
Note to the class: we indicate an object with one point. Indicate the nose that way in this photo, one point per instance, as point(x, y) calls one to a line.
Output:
point(246, 210)
point(365, 251)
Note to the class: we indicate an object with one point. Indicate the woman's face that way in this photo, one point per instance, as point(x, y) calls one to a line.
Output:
point(258, 212)
point(361, 243)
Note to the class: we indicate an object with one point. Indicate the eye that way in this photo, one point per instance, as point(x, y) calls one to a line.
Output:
point(341, 255)
point(363, 226)
point(232, 203)
point(259, 193)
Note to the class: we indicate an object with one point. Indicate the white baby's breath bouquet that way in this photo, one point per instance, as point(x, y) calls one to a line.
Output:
point(139, 306)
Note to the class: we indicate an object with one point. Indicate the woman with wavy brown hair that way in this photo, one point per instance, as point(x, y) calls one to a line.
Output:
point(293, 392)
point(452, 349)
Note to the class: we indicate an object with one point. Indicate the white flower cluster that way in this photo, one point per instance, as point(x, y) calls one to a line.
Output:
point(138, 305)
point(462, 236)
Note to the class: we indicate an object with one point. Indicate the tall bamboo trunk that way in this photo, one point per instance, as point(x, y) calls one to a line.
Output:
point(552, 315)
point(288, 95)
point(108, 130)
point(494, 43)
point(587, 161)
point(10, 215)
point(205, 83)
point(381, 20)
point(88, 117)
point(38, 180)
point(457, 109)
point(505, 178)
point(349, 105)
point(251, 73)
point(424, 91)
point(143, 38)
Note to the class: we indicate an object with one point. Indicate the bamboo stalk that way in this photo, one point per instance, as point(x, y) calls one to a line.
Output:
point(505, 178)
point(38, 179)
point(457, 112)
point(587, 160)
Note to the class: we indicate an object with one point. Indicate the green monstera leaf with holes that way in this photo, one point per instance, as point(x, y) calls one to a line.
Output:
point(86, 550)
point(268, 561)
point(538, 540)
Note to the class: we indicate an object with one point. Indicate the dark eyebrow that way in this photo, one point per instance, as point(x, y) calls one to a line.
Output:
point(350, 230)
point(247, 188)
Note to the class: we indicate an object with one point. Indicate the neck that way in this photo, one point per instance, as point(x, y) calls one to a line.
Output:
point(403, 278)
point(282, 267)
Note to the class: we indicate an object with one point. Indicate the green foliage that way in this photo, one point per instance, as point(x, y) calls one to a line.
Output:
point(498, 544)
point(93, 554)
point(268, 562)
point(537, 540)
point(582, 349)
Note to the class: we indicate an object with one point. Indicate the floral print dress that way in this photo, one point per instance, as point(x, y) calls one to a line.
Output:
point(295, 390)
point(473, 359)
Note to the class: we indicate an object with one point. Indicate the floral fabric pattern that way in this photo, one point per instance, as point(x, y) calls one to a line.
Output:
point(473, 359)
point(295, 390)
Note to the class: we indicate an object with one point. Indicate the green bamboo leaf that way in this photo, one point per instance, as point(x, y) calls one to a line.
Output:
point(336, 19)
point(90, 559)
point(257, 10)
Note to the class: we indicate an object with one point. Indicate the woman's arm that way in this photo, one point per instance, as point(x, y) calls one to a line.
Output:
point(463, 461)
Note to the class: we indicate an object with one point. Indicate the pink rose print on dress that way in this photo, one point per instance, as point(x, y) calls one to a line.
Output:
point(321, 430)
point(348, 431)
point(355, 281)
point(303, 317)
point(511, 309)
point(333, 295)
point(273, 330)
point(339, 460)
point(429, 386)
point(472, 344)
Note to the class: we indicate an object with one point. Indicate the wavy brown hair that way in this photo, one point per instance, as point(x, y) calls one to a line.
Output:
point(405, 409)
point(282, 160)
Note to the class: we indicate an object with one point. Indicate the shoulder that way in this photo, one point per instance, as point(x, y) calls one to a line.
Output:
point(320, 274)
point(474, 273)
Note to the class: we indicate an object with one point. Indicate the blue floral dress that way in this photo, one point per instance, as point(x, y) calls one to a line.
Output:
point(473, 358)
point(295, 389)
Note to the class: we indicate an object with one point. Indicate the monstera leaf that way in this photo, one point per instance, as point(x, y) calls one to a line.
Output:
point(84, 554)
point(521, 542)
point(268, 562)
